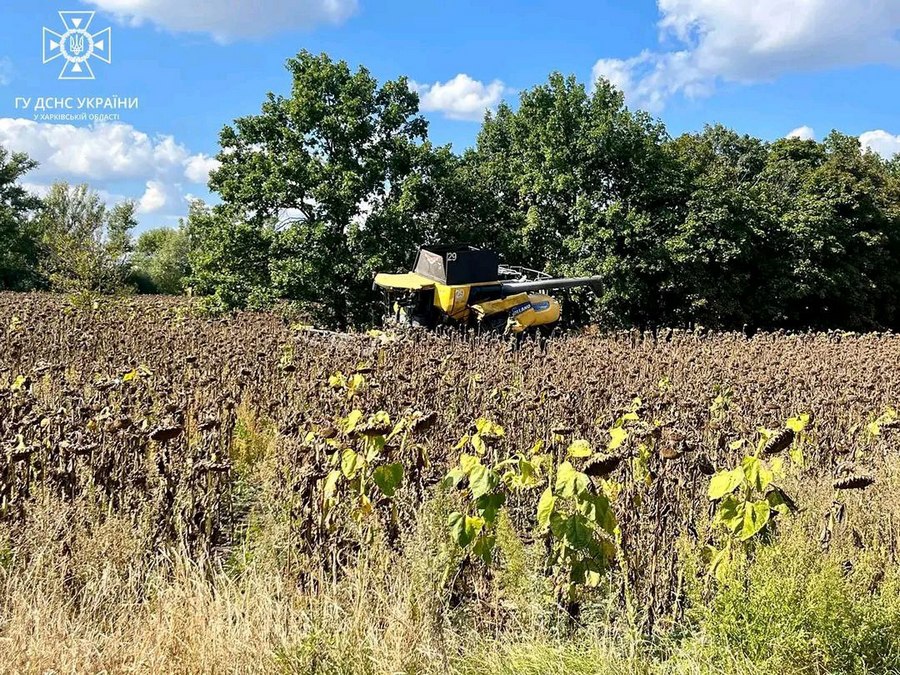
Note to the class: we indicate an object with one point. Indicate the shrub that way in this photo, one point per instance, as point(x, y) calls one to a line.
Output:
point(791, 605)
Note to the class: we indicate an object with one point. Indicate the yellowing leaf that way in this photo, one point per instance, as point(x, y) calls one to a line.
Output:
point(488, 430)
point(349, 463)
point(350, 422)
point(798, 424)
point(612, 489)
point(453, 478)
point(388, 478)
point(355, 383)
point(725, 482)
point(570, 482)
point(718, 566)
point(365, 506)
point(618, 435)
point(756, 472)
point(468, 462)
point(545, 508)
point(777, 466)
point(481, 480)
point(592, 579)
point(462, 442)
point(730, 513)
point(381, 417)
point(756, 516)
point(579, 448)
point(527, 475)
point(331, 484)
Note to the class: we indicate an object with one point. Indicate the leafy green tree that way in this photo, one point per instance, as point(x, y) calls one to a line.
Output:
point(792, 233)
point(326, 186)
point(85, 245)
point(844, 241)
point(725, 251)
point(582, 185)
point(160, 262)
point(229, 257)
point(337, 181)
point(305, 168)
point(18, 238)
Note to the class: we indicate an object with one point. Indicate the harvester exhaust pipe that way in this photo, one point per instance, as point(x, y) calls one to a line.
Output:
point(512, 287)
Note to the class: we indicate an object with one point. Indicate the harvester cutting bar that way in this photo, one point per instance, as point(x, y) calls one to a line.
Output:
point(511, 287)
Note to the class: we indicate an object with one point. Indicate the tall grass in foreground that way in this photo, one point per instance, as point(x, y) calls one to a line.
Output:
point(80, 593)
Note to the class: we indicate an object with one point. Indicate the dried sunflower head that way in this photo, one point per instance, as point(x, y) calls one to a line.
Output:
point(601, 465)
point(856, 481)
point(163, 434)
point(780, 442)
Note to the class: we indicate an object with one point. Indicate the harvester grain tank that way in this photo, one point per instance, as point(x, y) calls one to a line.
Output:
point(461, 284)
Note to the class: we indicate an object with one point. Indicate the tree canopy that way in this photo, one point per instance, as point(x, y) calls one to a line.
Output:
point(85, 244)
point(18, 239)
point(337, 180)
point(320, 190)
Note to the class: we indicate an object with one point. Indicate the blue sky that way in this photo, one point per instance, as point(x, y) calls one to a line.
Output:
point(768, 68)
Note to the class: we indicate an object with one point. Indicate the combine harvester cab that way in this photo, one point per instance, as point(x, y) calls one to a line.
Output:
point(457, 284)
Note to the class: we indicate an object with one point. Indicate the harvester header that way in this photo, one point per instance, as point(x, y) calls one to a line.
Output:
point(457, 283)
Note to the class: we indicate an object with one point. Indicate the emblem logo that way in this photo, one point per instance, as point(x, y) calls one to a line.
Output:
point(77, 45)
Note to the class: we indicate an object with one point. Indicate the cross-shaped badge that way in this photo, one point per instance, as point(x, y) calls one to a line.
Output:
point(77, 45)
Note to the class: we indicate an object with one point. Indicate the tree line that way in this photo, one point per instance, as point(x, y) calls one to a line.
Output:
point(338, 180)
point(70, 241)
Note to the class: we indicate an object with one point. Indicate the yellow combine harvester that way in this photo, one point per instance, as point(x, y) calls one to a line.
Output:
point(464, 285)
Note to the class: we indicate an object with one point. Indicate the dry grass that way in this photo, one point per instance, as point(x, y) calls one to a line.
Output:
point(77, 597)
point(81, 594)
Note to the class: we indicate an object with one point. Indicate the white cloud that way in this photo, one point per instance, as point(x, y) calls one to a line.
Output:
point(228, 20)
point(155, 197)
point(649, 79)
point(39, 189)
point(461, 98)
point(198, 168)
point(5, 72)
point(885, 144)
point(109, 152)
point(619, 72)
point(804, 133)
point(102, 151)
point(107, 197)
point(724, 40)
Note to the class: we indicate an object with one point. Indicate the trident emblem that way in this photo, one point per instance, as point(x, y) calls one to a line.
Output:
point(77, 45)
